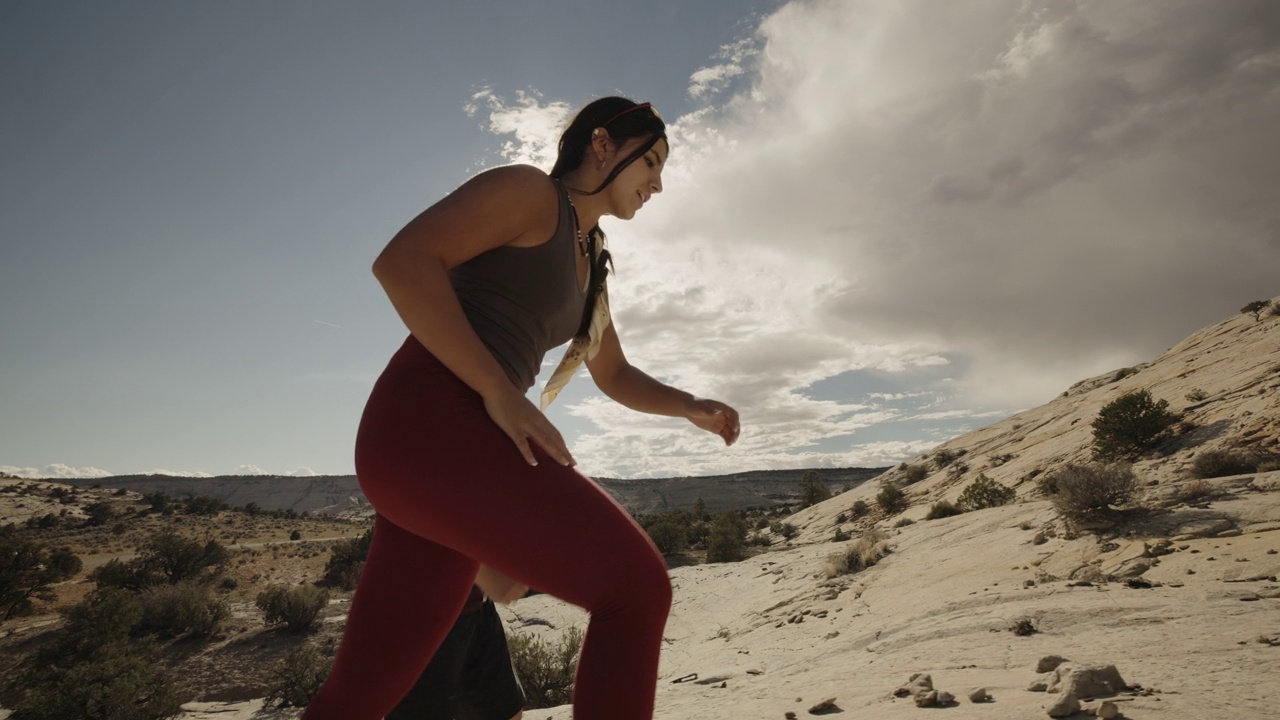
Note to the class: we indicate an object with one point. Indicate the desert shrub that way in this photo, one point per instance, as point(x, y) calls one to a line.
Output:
point(187, 608)
point(1129, 425)
point(1221, 463)
point(203, 505)
point(295, 535)
point(891, 499)
point(984, 492)
point(859, 508)
point(1023, 627)
point(1255, 308)
point(116, 684)
point(158, 502)
point(943, 458)
point(916, 473)
point(942, 509)
point(812, 489)
point(903, 522)
point(296, 608)
point(1275, 308)
point(1196, 395)
point(727, 539)
point(1085, 490)
point(1047, 485)
point(669, 536)
point(346, 560)
point(297, 677)
point(545, 669)
point(99, 513)
point(860, 555)
point(1123, 373)
point(1196, 491)
point(785, 529)
point(177, 558)
point(28, 571)
point(94, 668)
point(124, 575)
point(841, 535)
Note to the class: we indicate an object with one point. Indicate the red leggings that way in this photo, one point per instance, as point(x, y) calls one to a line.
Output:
point(451, 491)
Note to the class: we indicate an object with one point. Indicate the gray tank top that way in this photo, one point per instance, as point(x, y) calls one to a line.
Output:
point(524, 301)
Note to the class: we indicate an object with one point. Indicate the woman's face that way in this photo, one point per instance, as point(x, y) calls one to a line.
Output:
point(638, 181)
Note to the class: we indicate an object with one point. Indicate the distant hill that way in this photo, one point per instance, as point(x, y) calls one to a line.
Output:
point(340, 495)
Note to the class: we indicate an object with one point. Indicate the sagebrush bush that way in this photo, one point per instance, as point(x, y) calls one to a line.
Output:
point(1196, 491)
point(1084, 490)
point(1196, 395)
point(944, 457)
point(984, 492)
point(916, 473)
point(942, 509)
point(859, 508)
point(546, 669)
point(863, 553)
point(891, 499)
point(187, 608)
point(1221, 463)
point(296, 608)
point(785, 529)
point(297, 677)
point(1129, 425)
point(346, 561)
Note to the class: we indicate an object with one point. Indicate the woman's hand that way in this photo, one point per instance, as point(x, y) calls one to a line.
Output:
point(522, 422)
point(499, 587)
point(714, 416)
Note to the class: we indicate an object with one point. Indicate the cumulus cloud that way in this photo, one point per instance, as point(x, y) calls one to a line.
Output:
point(1021, 194)
point(535, 125)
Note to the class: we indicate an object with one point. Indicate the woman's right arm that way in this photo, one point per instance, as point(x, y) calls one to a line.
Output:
point(501, 206)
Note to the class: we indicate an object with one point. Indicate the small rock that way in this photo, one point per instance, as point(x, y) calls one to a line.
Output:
point(1272, 551)
point(927, 698)
point(789, 715)
point(1066, 706)
point(1038, 686)
point(1107, 710)
point(724, 684)
point(825, 706)
point(945, 698)
point(979, 695)
point(1049, 663)
point(833, 634)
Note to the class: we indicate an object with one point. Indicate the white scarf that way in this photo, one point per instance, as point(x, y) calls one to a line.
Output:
point(581, 349)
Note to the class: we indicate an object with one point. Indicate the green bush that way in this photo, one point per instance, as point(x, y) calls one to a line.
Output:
point(296, 608)
point(1221, 463)
point(125, 575)
point(860, 508)
point(669, 536)
point(1196, 395)
point(203, 505)
point(944, 457)
point(187, 608)
point(1085, 490)
point(984, 492)
point(99, 513)
point(546, 670)
point(295, 535)
point(891, 499)
point(942, 509)
point(297, 677)
point(28, 571)
point(785, 529)
point(346, 560)
point(727, 539)
point(1129, 425)
point(116, 685)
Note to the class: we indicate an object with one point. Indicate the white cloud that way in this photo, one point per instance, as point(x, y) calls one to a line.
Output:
point(536, 126)
point(1021, 193)
point(56, 470)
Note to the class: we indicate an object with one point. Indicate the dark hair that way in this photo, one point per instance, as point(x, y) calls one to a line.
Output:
point(623, 121)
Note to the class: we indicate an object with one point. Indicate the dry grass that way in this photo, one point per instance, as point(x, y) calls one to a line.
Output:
point(860, 555)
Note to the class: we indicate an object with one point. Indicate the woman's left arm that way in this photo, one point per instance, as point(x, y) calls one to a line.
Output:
point(629, 386)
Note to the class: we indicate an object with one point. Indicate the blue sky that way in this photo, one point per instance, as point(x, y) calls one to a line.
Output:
point(884, 223)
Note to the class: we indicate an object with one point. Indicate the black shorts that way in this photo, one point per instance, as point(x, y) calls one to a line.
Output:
point(470, 677)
